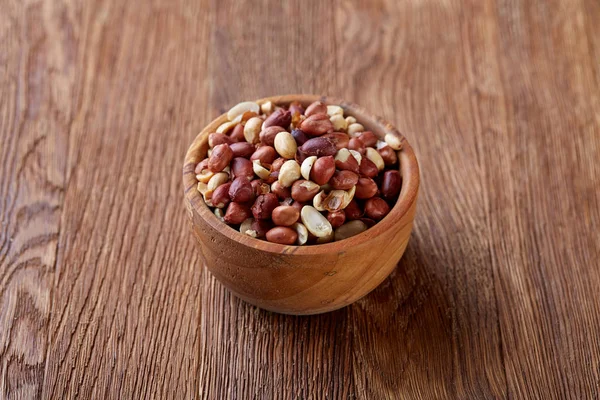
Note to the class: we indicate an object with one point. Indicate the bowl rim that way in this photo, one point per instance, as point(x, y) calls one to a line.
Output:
point(409, 169)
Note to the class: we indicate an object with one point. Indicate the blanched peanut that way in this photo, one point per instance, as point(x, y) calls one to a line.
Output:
point(246, 228)
point(259, 170)
point(239, 109)
point(354, 129)
point(306, 166)
point(315, 222)
point(376, 158)
point(217, 180)
point(393, 141)
point(302, 233)
point(350, 229)
point(289, 173)
point(252, 130)
point(285, 145)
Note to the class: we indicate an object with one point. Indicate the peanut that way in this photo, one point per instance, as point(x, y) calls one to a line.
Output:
point(205, 175)
point(388, 155)
point(302, 233)
point(264, 206)
point(394, 141)
point(237, 134)
point(365, 188)
point(242, 167)
point(316, 125)
point(306, 166)
point(285, 145)
point(335, 110)
point(358, 145)
point(265, 154)
point(319, 147)
point(239, 109)
point(353, 211)
point(316, 108)
point(252, 130)
point(285, 215)
point(219, 213)
point(368, 168)
point(357, 156)
point(217, 180)
point(343, 180)
point(267, 107)
point(336, 218)
point(241, 190)
point(339, 139)
point(226, 127)
point(304, 190)
point(391, 184)
point(267, 135)
point(242, 149)
point(218, 138)
point(368, 138)
point(220, 197)
point(220, 158)
point(260, 187)
point(280, 117)
point(315, 222)
point(376, 208)
point(236, 213)
point(261, 227)
point(299, 136)
point(354, 129)
point(259, 170)
point(345, 160)
point(289, 172)
point(322, 170)
point(246, 228)
point(338, 122)
point(282, 235)
point(376, 158)
point(280, 191)
point(350, 229)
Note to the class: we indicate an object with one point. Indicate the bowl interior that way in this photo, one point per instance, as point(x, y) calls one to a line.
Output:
point(409, 170)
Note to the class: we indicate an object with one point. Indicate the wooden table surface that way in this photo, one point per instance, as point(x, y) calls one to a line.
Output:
point(102, 292)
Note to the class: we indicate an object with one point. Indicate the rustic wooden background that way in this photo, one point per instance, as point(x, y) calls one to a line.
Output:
point(102, 294)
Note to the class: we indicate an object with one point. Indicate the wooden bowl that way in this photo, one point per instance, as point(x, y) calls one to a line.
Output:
point(307, 279)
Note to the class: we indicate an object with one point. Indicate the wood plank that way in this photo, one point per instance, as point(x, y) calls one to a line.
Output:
point(246, 352)
point(124, 320)
point(545, 201)
point(435, 319)
point(102, 290)
point(35, 107)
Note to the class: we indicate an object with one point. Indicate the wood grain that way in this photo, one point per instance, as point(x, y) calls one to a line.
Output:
point(102, 294)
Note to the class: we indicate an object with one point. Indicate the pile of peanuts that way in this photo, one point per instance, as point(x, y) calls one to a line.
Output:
point(298, 176)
